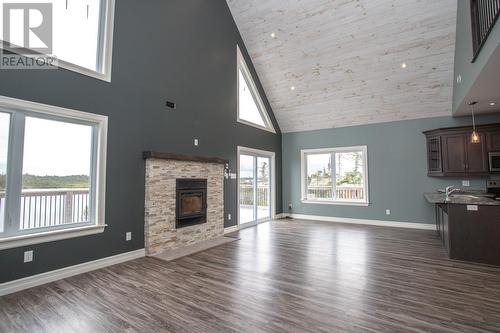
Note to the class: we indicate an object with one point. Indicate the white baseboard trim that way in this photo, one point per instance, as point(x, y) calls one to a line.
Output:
point(43, 278)
point(393, 224)
point(280, 216)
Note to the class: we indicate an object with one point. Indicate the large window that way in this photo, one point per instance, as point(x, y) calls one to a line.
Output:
point(52, 173)
point(336, 175)
point(251, 109)
point(82, 33)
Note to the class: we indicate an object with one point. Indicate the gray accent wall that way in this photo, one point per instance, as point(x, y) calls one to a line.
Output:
point(178, 50)
point(397, 168)
point(463, 53)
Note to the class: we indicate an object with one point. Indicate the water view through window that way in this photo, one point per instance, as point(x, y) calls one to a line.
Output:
point(56, 173)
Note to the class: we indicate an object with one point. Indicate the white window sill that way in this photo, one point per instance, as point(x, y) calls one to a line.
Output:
point(49, 236)
point(338, 203)
point(241, 121)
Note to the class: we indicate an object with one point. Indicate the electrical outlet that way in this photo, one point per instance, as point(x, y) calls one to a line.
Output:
point(196, 142)
point(28, 256)
point(466, 183)
point(387, 212)
point(128, 236)
point(290, 206)
point(229, 216)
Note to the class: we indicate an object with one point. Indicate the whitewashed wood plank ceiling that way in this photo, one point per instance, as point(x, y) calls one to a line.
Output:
point(345, 58)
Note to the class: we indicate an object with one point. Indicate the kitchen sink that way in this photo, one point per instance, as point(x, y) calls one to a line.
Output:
point(467, 196)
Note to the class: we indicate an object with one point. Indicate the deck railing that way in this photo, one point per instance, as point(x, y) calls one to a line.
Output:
point(313, 192)
point(247, 198)
point(341, 192)
point(51, 207)
point(484, 14)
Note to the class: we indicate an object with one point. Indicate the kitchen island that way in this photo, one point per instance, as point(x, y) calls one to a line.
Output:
point(469, 226)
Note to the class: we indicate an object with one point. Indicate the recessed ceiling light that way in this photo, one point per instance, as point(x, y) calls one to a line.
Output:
point(403, 65)
point(493, 103)
point(273, 35)
point(292, 88)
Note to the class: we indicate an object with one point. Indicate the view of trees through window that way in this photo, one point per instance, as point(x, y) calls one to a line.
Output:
point(348, 176)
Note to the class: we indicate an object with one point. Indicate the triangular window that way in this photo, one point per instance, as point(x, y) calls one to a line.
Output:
point(251, 110)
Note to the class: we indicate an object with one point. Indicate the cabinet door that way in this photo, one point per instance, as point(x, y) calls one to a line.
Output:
point(446, 232)
point(454, 156)
point(434, 155)
point(477, 156)
point(493, 140)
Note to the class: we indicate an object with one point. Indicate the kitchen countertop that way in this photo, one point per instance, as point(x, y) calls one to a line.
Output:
point(461, 199)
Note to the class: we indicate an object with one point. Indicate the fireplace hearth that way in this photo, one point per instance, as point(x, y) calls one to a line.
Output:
point(191, 202)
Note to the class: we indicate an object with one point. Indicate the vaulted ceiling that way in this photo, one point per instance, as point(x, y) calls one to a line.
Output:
point(336, 63)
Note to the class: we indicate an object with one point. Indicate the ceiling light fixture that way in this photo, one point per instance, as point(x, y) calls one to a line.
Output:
point(273, 35)
point(292, 88)
point(493, 103)
point(474, 137)
point(403, 65)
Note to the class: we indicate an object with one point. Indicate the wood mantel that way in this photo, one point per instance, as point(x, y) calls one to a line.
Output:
point(181, 157)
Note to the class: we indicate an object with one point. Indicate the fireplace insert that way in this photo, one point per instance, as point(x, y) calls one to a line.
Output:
point(191, 202)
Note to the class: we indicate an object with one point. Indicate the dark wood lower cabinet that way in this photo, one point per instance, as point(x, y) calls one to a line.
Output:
point(470, 235)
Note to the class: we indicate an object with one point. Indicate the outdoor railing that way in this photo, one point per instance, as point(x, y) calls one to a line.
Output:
point(342, 192)
point(51, 207)
point(313, 192)
point(246, 195)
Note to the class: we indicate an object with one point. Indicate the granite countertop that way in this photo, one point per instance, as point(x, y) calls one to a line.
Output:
point(462, 199)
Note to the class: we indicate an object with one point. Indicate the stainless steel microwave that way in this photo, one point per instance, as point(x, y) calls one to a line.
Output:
point(494, 161)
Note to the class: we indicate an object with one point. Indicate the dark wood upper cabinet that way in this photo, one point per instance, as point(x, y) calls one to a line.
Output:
point(450, 151)
point(493, 140)
point(454, 157)
point(477, 156)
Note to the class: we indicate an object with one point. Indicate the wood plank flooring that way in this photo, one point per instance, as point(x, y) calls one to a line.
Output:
point(283, 276)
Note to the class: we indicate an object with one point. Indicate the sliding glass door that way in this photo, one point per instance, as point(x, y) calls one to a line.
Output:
point(255, 185)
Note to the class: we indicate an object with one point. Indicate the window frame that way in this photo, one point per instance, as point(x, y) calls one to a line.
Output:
point(105, 48)
point(241, 65)
point(19, 109)
point(303, 171)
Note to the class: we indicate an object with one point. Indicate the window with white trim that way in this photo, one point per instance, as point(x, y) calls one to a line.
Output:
point(82, 34)
point(52, 172)
point(335, 175)
point(251, 109)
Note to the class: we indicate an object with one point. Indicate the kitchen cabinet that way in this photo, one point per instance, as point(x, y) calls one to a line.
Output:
point(493, 140)
point(451, 153)
point(470, 234)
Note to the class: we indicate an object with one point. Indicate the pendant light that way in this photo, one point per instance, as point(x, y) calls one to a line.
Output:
point(475, 137)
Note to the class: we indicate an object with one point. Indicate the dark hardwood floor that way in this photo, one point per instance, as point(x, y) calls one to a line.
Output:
point(283, 276)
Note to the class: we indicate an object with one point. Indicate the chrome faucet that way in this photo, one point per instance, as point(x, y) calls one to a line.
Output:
point(449, 191)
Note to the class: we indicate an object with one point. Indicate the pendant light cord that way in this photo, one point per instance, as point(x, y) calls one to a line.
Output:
point(473, 119)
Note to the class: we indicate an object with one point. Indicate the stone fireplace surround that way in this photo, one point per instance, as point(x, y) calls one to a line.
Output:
point(162, 171)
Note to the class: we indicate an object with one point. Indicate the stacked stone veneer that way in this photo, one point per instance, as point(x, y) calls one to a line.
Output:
point(159, 230)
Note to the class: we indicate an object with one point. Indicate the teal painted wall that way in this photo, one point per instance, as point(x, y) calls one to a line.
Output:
point(463, 53)
point(396, 165)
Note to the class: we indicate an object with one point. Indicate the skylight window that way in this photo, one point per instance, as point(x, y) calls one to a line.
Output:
point(251, 109)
